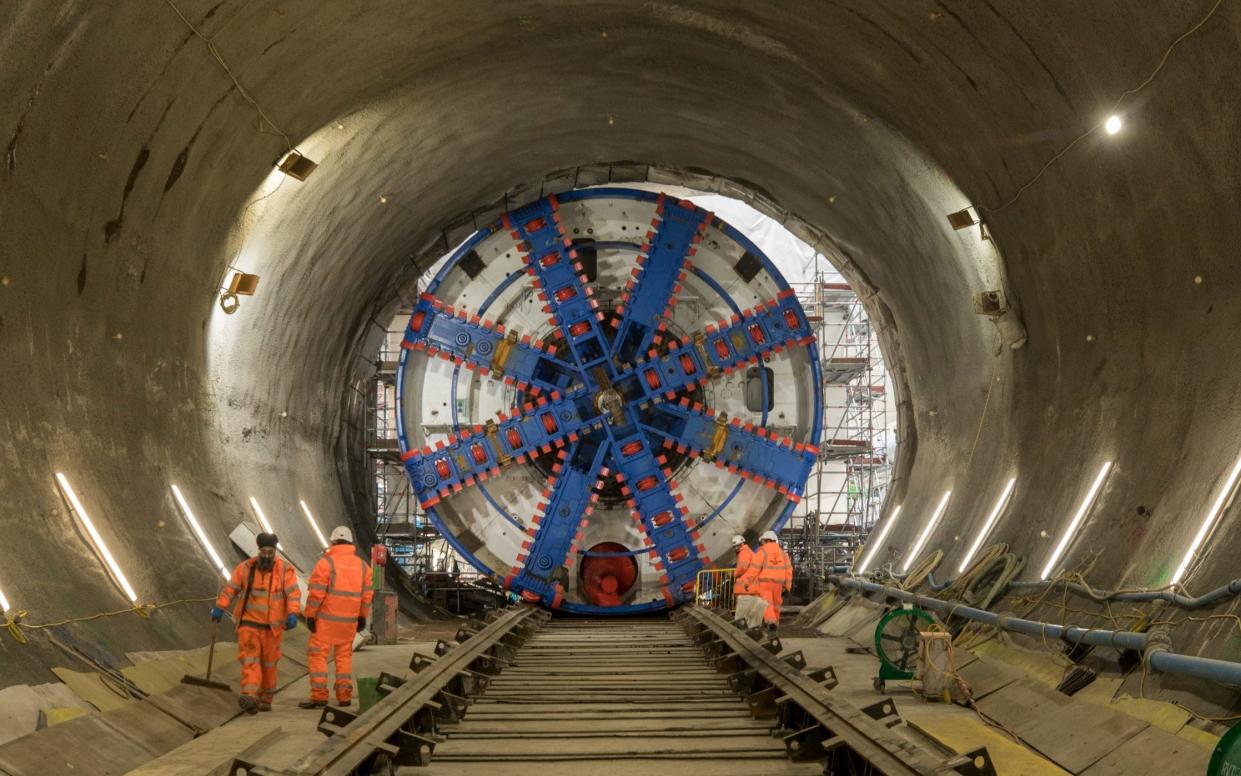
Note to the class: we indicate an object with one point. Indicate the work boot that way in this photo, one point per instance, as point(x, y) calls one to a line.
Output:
point(264, 706)
point(312, 704)
point(248, 704)
point(343, 704)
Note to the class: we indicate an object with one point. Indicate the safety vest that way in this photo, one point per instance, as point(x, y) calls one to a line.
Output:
point(745, 558)
point(339, 593)
point(771, 566)
point(264, 598)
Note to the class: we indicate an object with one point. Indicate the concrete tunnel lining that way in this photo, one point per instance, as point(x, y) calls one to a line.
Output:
point(110, 232)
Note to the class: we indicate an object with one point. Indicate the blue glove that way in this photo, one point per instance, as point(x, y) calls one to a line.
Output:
point(290, 622)
point(216, 614)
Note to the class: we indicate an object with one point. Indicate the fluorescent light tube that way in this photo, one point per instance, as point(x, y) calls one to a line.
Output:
point(100, 546)
point(1077, 520)
point(986, 527)
point(1229, 485)
point(875, 546)
point(198, 530)
point(926, 532)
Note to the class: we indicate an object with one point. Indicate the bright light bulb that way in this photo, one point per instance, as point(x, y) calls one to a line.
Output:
point(198, 530)
point(100, 546)
point(1113, 124)
point(1077, 520)
point(4, 602)
point(314, 525)
point(878, 542)
point(986, 527)
point(926, 532)
point(1229, 484)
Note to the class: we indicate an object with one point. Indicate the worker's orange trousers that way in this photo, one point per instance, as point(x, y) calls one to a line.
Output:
point(773, 594)
point(258, 650)
point(317, 654)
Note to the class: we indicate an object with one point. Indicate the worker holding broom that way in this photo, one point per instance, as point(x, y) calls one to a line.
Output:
point(268, 601)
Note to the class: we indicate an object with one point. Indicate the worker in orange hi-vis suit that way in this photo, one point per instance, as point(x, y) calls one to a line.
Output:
point(772, 572)
point(268, 602)
point(749, 605)
point(337, 604)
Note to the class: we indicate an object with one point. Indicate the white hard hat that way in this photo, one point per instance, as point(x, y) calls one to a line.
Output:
point(768, 536)
point(738, 540)
point(341, 534)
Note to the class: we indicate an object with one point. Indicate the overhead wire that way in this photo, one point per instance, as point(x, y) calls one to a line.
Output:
point(215, 52)
point(1095, 128)
point(16, 625)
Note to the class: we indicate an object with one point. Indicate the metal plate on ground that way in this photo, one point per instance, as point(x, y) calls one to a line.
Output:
point(1073, 734)
point(985, 676)
point(105, 744)
point(200, 707)
point(1152, 752)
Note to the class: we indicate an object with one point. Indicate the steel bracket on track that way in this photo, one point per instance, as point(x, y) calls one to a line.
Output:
point(825, 676)
point(401, 728)
point(884, 711)
point(975, 763)
point(813, 725)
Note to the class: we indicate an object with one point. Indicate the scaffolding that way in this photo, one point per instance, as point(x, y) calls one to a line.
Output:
point(399, 520)
point(846, 490)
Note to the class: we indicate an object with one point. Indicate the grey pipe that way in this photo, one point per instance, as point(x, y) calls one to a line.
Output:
point(1220, 593)
point(1215, 596)
point(1154, 645)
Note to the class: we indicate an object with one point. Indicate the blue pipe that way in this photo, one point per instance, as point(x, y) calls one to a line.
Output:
point(1154, 644)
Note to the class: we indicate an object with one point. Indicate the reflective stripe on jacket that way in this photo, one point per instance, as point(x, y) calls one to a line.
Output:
point(339, 592)
point(273, 597)
point(771, 566)
point(745, 558)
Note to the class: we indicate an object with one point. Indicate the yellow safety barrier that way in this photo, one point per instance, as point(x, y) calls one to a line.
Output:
point(714, 589)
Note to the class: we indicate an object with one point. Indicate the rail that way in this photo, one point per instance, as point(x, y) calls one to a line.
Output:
point(400, 729)
point(815, 726)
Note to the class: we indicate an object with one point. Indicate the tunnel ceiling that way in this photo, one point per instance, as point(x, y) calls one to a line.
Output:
point(134, 163)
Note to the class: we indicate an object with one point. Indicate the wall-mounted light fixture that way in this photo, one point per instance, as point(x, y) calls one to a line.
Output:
point(964, 219)
point(926, 532)
point(1226, 493)
point(987, 526)
point(876, 545)
point(1082, 511)
point(101, 547)
point(198, 530)
point(296, 166)
point(239, 285)
point(313, 525)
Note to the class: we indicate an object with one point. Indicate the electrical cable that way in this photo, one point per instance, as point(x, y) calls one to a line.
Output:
point(919, 573)
point(240, 89)
point(1127, 93)
point(16, 624)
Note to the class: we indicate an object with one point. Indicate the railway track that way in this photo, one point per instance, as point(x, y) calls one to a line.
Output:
point(523, 693)
point(587, 696)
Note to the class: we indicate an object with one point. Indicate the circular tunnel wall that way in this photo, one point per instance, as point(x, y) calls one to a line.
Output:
point(128, 184)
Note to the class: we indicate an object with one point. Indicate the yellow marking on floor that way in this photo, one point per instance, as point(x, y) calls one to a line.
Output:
point(961, 731)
